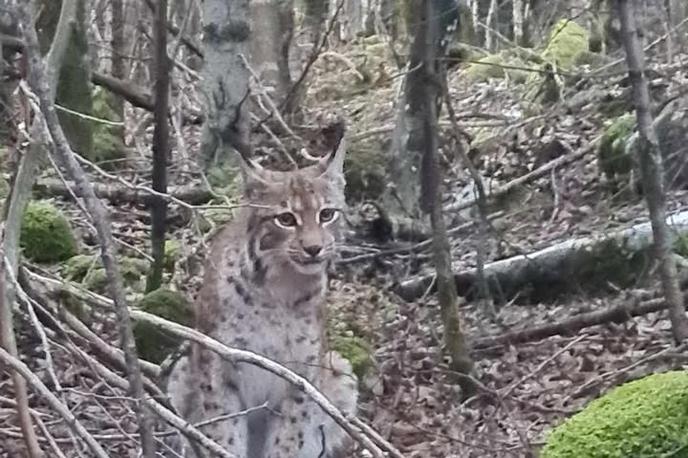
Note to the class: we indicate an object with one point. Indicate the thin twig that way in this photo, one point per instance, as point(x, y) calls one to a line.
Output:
point(54, 402)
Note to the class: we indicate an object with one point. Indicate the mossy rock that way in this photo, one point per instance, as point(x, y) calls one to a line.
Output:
point(173, 252)
point(365, 169)
point(613, 158)
point(46, 235)
point(357, 351)
point(108, 146)
point(488, 67)
point(77, 267)
point(498, 66)
point(646, 418)
point(133, 271)
point(155, 345)
point(566, 43)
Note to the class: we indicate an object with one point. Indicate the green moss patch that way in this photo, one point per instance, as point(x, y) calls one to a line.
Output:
point(613, 158)
point(152, 344)
point(365, 171)
point(641, 419)
point(566, 43)
point(108, 146)
point(133, 271)
point(357, 351)
point(77, 267)
point(46, 235)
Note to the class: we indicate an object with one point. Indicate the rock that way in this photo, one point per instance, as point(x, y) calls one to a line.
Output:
point(567, 42)
point(46, 235)
point(77, 267)
point(108, 146)
point(133, 271)
point(643, 418)
point(152, 344)
point(365, 169)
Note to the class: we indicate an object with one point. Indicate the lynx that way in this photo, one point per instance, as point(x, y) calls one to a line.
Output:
point(263, 291)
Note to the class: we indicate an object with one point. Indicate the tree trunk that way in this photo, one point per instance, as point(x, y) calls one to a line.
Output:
point(225, 80)
point(315, 17)
point(651, 170)
point(73, 87)
point(119, 51)
point(160, 147)
point(518, 21)
point(423, 93)
point(270, 48)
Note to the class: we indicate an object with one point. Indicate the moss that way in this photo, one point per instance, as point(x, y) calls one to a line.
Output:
point(96, 280)
point(567, 41)
point(152, 344)
point(108, 146)
point(356, 351)
point(497, 66)
point(488, 67)
point(133, 271)
point(365, 171)
point(77, 267)
point(46, 235)
point(643, 418)
point(76, 306)
point(173, 252)
point(613, 159)
point(681, 245)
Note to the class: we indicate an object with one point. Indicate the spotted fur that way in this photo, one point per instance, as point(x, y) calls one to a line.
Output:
point(263, 291)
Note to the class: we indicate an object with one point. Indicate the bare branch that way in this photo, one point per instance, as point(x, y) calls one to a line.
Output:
point(54, 402)
point(39, 83)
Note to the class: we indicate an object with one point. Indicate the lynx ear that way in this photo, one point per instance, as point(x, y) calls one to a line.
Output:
point(333, 162)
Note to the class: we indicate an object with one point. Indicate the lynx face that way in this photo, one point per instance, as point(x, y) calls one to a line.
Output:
point(295, 215)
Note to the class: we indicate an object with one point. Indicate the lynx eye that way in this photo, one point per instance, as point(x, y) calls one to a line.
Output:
point(286, 219)
point(327, 215)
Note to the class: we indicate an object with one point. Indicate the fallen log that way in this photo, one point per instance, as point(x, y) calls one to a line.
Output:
point(617, 314)
point(591, 262)
point(117, 194)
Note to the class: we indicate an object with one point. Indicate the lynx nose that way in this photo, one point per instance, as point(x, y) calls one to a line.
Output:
point(313, 250)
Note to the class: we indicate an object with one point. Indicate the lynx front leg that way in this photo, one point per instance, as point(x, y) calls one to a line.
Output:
point(206, 396)
point(285, 429)
point(323, 438)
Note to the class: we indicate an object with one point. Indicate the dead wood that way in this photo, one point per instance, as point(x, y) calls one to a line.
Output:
point(617, 314)
point(592, 261)
point(192, 195)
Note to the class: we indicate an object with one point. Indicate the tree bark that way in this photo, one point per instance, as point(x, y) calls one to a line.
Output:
point(426, 93)
point(161, 147)
point(270, 48)
point(225, 80)
point(118, 43)
point(651, 171)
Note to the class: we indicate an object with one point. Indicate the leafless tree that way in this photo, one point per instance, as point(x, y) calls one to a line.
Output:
point(225, 78)
point(652, 170)
point(161, 146)
point(424, 92)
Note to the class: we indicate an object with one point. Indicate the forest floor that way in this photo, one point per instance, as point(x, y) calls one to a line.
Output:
point(410, 395)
